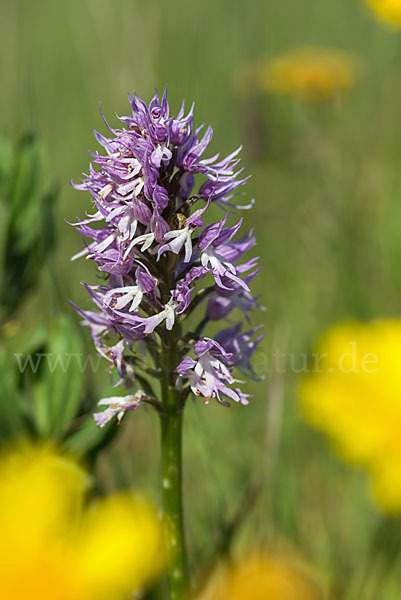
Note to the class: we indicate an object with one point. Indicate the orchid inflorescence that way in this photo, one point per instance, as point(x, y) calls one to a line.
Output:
point(153, 248)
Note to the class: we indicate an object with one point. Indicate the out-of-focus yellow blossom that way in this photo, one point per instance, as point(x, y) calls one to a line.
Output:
point(353, 395)
point(52, 548)
point(387, 10)
point(264, 577)
point(308, 73)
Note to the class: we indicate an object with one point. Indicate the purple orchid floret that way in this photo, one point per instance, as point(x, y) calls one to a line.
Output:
point(241, 346)
point(224, 300)
point(209, 375)
point(148, 235)
point(117, 406)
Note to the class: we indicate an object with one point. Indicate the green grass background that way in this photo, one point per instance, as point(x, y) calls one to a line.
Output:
point(327, 183)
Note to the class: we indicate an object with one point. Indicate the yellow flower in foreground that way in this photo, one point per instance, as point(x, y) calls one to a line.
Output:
point(51, 548)
point(264, 577)
point(387, 10)
point(353, 395)
point(310, 74)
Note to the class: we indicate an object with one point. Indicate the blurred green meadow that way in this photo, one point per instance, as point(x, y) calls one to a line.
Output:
point(327, 182)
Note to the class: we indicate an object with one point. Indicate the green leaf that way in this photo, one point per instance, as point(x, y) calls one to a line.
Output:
point(58, 391)
point(13, 410)
point(6, 154)
point(90, 439)
point(29, 231)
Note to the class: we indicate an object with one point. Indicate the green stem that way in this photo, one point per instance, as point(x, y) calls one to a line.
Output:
point(171, 446)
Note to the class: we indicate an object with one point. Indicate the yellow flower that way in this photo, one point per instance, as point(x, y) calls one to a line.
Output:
point(264, 576)
point(387, 10)
point(52, 548)
point(353, 395)
point(310, 74)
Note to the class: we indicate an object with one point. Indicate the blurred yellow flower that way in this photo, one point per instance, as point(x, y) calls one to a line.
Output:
point(310, 74)
point(52, 548)
point(353, 395)
point(264, 577)
point(387, 10)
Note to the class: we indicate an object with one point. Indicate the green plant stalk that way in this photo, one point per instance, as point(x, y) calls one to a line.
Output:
point(173, 514)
